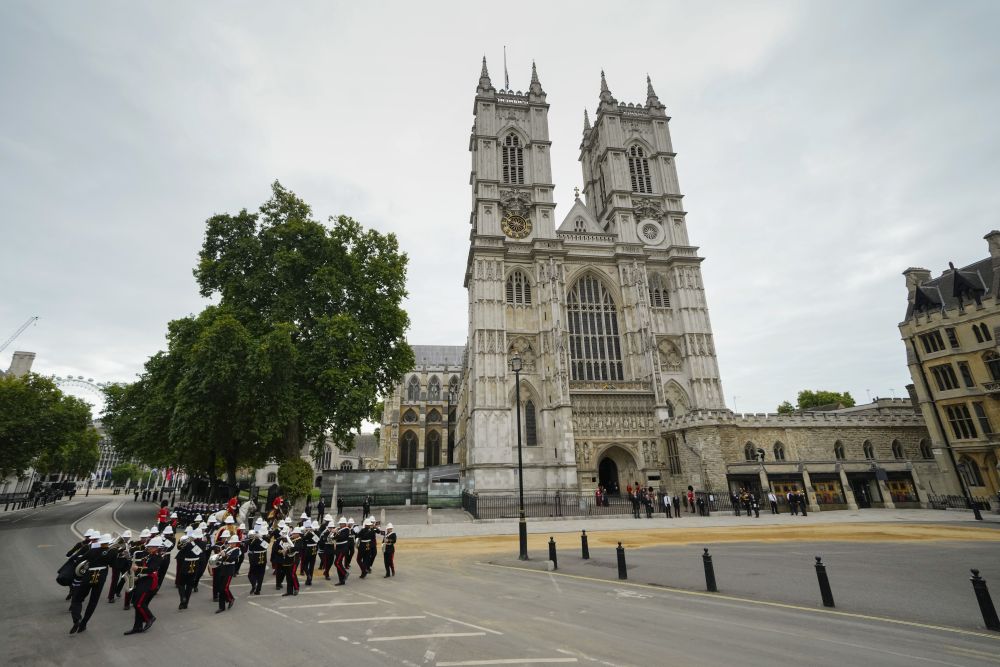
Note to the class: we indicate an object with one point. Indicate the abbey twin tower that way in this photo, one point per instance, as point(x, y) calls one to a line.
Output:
point(605, 308)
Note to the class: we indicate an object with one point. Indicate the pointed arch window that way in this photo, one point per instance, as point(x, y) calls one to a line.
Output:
point(518, 289)
point(432, 449)
point(869, 450)
point(408, 451)
point(659, 296)
point(413, 389)
point(749, 452)
point(453, 387)
point(594, 346)
point(779, 452)
point(838, 451)
point(434, 389)
point(985, 332)
point(897, 450)
point(513, 160)
point(530, 426)
point(638, 170)
point(925, 449)
point(969, 470)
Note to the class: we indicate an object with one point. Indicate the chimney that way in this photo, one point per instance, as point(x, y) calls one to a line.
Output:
point(914, 277)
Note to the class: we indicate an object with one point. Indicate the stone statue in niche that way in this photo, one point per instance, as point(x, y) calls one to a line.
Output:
point(523, 347)
point(670, 356)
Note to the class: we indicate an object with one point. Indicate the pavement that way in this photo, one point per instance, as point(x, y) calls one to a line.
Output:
point(450, 609)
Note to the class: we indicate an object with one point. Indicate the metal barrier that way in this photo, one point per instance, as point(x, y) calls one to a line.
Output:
point(957, 502)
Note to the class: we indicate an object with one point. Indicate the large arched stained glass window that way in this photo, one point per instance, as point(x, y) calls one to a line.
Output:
point(594, 346)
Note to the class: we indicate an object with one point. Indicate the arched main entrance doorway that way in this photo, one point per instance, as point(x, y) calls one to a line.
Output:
point(608, 475)
point(616, 468)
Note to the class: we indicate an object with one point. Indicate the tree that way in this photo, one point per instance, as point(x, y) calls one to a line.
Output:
point(809, 399)
point(307, 333)
point(42, 427)
point(295, 478)
point(335, 292)
point(124, 472)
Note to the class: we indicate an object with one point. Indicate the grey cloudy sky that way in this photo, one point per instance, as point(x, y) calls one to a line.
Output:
point(822, 147)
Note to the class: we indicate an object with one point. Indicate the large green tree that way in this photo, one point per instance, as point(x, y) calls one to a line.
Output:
point(308, 331)
point(809, 399)
point(42, 427)
point(335, 289)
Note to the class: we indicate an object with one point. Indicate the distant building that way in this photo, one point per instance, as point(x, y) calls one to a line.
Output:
point(951, 333)
point(418, 420)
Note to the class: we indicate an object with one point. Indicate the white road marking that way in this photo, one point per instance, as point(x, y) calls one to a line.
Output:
point(343, 638)
point(375, 598)
point(273, 611)
point(325, 604)
point(72, 526)
point(278, 595)
point(507, 661)
point(462, 623)
point(430, 636)
point(370, 618)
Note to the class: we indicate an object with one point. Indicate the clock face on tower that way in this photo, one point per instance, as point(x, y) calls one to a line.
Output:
point(515, 226)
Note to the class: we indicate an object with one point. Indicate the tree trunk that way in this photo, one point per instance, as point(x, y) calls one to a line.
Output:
point(293, 440)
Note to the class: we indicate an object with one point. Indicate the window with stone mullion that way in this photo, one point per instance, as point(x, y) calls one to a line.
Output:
point(593, 324)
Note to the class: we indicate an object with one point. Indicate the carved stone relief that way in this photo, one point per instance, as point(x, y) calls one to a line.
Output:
point(515, 202)
point(670, 355)
point(525, 347)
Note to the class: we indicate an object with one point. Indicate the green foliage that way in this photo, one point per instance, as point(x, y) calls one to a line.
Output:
point(809, 399)
point(295, 478)
point(41, 426)
point(307, 333)
point(122, 473)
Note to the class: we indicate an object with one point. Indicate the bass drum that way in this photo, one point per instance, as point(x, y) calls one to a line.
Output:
point(66, 573)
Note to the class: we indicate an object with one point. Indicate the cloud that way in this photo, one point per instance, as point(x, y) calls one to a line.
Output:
point(823, 148)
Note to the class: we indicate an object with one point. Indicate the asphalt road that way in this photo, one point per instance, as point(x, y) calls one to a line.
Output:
point(451, 612)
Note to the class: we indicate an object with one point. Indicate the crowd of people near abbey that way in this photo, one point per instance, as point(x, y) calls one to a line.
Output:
point(190, 541)
point(650, 501)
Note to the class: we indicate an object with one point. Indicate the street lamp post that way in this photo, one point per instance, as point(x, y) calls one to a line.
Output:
point(522, 527)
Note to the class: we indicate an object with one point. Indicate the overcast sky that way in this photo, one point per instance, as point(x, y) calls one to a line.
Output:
point(822, 149)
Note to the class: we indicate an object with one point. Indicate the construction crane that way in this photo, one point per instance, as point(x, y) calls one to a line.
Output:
point(31, 320)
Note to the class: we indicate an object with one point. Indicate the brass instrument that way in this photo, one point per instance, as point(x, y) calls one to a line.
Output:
point(81, 568)
point(129, 574)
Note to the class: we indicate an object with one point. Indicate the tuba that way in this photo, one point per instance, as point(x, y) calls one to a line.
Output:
point(81, 568)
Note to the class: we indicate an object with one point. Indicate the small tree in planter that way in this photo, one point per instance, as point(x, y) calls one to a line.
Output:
point(296, 479)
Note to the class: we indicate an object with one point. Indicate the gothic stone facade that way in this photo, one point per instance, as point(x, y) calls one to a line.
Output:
point(951, 335)
point(607, 311)
point(606, 308)
point(418, 418)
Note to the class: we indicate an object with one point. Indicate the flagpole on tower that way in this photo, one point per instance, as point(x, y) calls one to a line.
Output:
point(506, 79)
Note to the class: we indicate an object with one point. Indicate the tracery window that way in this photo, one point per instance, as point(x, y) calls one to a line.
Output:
point(513, 160)
point(638, 170)
point(992, 361)
point(409, 416)
point(433, 416)
point(530, 427)
point(518, 289)
point(408, 451)
point(413, 389)
point(779, 452)
point(970, 471)
point(595, 348)
point(346, 465)
point(434, 389)
point(432, 449)
point(659, 296)
point(749, 452)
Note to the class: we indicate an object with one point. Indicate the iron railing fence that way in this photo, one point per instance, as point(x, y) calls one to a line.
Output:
point(958, 502)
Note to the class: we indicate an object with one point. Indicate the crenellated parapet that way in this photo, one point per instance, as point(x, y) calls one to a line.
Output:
point(700, 418)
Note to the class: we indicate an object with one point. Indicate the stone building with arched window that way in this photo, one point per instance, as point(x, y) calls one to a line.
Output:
point(606, 309)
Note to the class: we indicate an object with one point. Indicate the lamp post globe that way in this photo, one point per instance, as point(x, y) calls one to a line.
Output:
point(522, 526)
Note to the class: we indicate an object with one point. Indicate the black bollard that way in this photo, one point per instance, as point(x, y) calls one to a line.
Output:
point(552, 553)
point(584, 546)
point(709, 572)
point(622, 568)
point(985, 601)
point(824, 583)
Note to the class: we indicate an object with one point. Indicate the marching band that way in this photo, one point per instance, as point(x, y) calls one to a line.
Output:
point(138, 567)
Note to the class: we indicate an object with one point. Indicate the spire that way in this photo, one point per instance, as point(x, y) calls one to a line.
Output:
point(485, 85)
point(606, 97)
point(586, 121)
point(536, 85)
point(651, 99)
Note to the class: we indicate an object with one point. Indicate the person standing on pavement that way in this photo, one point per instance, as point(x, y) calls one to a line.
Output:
point(389, 551)
point(366, 508)
point(320, 508)
point(257, 555)
point(773, 499)
point(188, 559)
